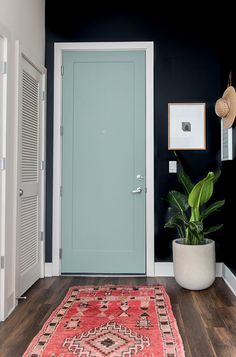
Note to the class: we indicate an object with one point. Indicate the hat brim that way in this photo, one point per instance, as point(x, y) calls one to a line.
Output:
point(230, 96)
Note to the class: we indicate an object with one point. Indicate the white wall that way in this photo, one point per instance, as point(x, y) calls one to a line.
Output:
point(23, 20)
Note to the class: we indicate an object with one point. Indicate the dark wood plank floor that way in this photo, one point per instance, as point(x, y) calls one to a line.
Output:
point(206, 319)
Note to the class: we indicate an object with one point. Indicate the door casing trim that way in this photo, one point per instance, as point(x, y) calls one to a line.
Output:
point(5, 37)
point(148, 47)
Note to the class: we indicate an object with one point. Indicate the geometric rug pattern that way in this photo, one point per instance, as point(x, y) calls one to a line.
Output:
point(110, 321)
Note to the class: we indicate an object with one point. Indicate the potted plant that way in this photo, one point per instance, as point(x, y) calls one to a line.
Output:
point(193, 251)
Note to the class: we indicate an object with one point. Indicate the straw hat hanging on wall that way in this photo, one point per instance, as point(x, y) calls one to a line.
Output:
point(225, 107)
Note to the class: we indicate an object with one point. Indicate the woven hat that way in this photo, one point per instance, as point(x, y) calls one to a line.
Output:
point(225, 107)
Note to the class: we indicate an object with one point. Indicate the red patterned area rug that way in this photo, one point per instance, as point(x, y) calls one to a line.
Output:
point(110, 321)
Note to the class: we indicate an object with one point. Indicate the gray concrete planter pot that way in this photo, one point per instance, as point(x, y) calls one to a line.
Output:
point(194, 265)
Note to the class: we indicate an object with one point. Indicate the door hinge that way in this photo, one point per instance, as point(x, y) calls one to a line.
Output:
point(41, 236)
point(2, 262)
point(43, 95)
point(2, 163)
point(61, 130)
point(62, 70)
point(3, 67)
point(60, 253)
point(42, 166)
point(61, 191)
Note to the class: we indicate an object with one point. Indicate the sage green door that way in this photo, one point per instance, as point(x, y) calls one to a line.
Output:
point(103, 162)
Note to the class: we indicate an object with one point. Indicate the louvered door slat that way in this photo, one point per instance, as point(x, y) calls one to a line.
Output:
point(29, 232)
point(29, 114)
point(30, 132)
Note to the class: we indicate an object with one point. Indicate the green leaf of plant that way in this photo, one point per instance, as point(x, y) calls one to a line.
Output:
point(176, 222)
point(196, 226)
point(213, 229)
point(202, 191)
point(172, 213)
point(177, 218)
point(213, 208)
point(172, 223)
point(217, 175)
point(183, 178)
point(178, 200)
point(195, 237)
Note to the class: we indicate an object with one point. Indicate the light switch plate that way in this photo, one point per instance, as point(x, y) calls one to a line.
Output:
point(172, 167)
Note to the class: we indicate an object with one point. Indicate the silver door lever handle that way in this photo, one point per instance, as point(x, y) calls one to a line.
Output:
point(138, 190)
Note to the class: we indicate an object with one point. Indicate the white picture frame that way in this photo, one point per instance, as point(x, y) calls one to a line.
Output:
point(187, 126)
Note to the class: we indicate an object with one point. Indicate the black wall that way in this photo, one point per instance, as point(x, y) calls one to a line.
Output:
point(192, 61)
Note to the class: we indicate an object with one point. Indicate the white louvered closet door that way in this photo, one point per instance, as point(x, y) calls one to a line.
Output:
point(29, 192)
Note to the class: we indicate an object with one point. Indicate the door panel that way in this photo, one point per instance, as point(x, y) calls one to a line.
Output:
point(103, 222)
point(28, 244)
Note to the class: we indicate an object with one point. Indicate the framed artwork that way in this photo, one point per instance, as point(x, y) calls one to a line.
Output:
point(187, 126)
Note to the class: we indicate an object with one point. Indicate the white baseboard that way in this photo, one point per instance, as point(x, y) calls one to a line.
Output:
point(48, 270)
point(219, 270)
point(229, 278)
point(166, 269)
point(222, 271)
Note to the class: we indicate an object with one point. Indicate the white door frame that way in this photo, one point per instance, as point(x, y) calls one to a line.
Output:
point(3, 124)
point(103, 46)
point(22, 52)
